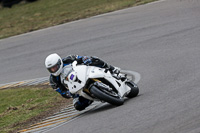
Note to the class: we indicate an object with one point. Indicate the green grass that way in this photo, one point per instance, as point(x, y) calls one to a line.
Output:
point(21, 104)
point(26, 17)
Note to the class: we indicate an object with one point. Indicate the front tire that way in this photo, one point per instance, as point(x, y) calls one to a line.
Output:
point(134, 89)
point(106, 97)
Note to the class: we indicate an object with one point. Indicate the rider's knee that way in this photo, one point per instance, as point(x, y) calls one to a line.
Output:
point(81, 103)
point(79, 106)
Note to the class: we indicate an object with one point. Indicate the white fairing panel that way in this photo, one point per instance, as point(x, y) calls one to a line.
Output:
point(96, 72)
point(67, 73)
point(80, 72)
point(124, 89)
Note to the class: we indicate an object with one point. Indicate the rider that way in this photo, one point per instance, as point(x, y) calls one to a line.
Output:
point(54, 63)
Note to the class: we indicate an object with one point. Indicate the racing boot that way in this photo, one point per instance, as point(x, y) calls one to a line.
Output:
point(80, 103)
point(98, 62)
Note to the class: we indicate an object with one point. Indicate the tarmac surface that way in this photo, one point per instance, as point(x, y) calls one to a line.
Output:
point(161, 41)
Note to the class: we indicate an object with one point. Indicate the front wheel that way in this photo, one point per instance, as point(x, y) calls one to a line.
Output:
point(111, 98)
point(134, 89)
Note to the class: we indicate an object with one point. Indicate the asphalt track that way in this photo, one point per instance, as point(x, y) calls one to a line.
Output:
point(161, 41)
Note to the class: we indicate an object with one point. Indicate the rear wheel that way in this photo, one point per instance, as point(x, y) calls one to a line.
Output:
point(134, 89)
point(110, 97)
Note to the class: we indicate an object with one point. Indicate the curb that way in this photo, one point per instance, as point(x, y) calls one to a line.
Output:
point(37, 81)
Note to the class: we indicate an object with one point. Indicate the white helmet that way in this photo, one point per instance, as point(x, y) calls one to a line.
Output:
point(54, 64)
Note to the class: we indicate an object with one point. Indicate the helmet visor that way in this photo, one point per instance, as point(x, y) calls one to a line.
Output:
point(55, 68)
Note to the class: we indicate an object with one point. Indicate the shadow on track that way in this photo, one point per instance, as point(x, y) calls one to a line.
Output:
point(107, 106)
point(101, 108)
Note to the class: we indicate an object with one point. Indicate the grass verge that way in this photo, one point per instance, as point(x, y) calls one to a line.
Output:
point(26, 17)
point(21, 107)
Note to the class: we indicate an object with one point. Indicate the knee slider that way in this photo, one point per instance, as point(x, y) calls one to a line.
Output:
point(78, 106)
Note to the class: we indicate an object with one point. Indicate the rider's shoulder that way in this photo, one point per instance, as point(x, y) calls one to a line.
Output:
point(53, 78)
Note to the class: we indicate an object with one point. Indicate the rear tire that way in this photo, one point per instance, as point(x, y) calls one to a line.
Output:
point(106, 97)
point(134, 89)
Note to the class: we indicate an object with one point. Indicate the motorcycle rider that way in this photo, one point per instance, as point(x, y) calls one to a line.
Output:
point(54, 64)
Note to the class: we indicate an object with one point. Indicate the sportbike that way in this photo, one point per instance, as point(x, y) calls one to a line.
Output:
point(98, 84)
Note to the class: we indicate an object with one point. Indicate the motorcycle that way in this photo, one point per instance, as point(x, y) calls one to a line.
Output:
point(98, 84)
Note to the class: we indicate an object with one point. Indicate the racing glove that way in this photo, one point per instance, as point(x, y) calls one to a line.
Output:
point(65, 94)
point(86, 60)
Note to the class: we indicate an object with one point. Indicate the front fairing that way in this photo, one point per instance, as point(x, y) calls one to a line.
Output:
point(80, 72)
